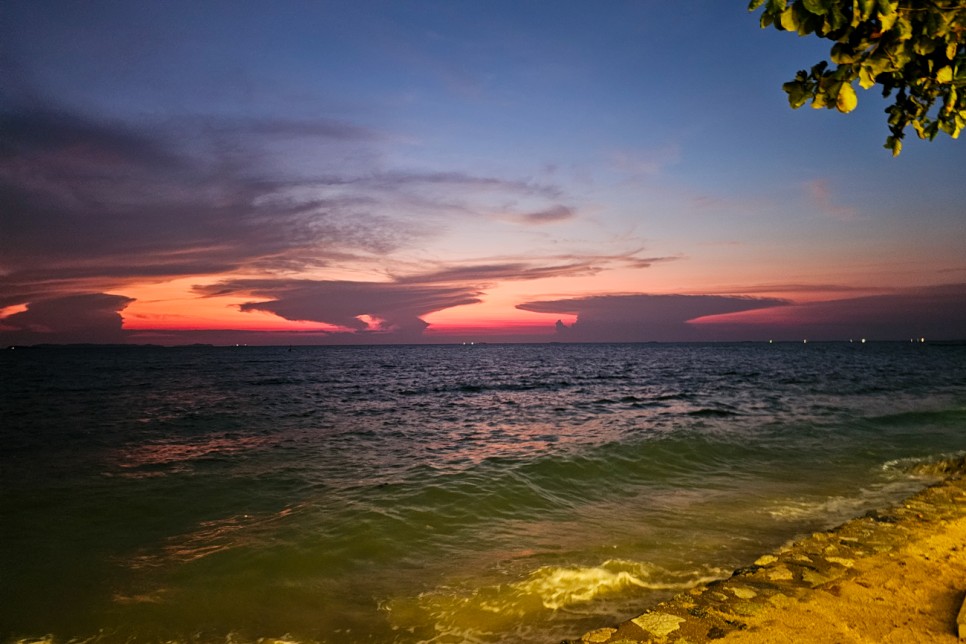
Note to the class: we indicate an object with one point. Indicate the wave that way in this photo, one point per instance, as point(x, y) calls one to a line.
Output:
point(950, 417)
point(935, 466)
point(903, 477)
point(469, 614)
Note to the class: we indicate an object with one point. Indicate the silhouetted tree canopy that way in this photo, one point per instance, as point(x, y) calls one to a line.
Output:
point(914, 49)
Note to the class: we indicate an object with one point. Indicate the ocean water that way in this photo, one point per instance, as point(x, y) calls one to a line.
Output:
point(485, 493)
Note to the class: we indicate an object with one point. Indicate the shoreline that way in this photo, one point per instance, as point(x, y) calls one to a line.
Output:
point(892, 575)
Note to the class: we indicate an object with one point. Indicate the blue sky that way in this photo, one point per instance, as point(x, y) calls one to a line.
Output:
point(438, 171)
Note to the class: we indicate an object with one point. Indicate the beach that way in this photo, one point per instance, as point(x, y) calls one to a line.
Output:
point(893, 575)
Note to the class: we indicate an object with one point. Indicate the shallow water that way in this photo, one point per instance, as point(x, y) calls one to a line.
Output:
point(487, 493)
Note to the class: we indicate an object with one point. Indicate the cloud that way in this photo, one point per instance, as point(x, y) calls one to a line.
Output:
point(291, 128)
point(463, 181)
point(549, 216)
point(398, 308)
point(88, 317)
point(936, 312)
point(515, 269)
point(81, 198)
point(797, 288)
point(641, 317)
point(822, 198)
point(645, 163)
point(508, 271)
point(93, 204)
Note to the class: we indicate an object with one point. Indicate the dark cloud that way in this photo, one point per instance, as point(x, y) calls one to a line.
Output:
point(515, 271)
point(569, 265)
point(465, 181)
point(88, 145)
point(647, 262)
point(398, 308)
point(90, 204)
point(792, 288)
point(83, 198)
point(549, 216)
point(89, 317)
point(289, 128)
point(936, 312)
point(641, 318)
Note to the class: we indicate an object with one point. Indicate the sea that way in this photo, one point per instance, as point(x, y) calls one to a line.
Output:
point(487, 493)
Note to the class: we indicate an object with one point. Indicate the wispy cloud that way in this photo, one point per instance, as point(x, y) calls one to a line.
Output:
point(518, 269)
point(509, 271)
point(80, 197)
point(644, 163)
point(90, 204)
point(792, 288)
point(550, 215)
point(823, 199)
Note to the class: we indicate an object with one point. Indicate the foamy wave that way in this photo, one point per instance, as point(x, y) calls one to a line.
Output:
point(933, 466)
point(904, 476)
point(465, 616)
point(835, 509)
point(559, 587)
point(793, 510)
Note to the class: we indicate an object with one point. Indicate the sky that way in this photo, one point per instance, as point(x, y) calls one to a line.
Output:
point(454, 171)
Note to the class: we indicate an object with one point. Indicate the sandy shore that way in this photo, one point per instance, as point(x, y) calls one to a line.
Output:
point(896, 575)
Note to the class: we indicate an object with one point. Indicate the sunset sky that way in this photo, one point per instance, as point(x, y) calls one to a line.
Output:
point(449, 171)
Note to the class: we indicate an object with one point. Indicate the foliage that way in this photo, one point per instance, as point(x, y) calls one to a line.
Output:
point(914, 49)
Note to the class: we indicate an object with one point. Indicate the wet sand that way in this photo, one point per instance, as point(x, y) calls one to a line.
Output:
point(894, 575)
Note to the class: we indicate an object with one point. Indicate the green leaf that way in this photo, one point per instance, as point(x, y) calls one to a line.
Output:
point(797, 93)
point(807, 22)
point(789, 20)
point(888, 20)
point(920, 132)
point(866, 77)
point(924, 46)
point(847, 100)
point(912, 49)
point(952, 127)
point(843, 53)
point(895, 144)
point(904, 27)
point(818, 7)
point(886, 8)
point(836, 19)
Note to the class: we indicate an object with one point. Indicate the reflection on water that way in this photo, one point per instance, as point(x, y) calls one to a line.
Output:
point(149, 456)
point(438, 494)
point(211, 537)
